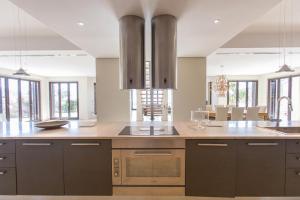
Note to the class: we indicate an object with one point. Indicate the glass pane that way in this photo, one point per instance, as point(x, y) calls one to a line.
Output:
point(13, 99)
point(64, 100)
point(35, 100)
point(55, 100)
point(273, 98)
point(242, 94)
point(296, 98)
point(25, 100)
point(252, 94)
point(284, 85)
point(73, 100)
point(139, 167)
point(232, 94)
point(2, 100)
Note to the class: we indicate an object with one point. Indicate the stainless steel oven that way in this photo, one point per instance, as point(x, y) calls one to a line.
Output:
point(162, 166)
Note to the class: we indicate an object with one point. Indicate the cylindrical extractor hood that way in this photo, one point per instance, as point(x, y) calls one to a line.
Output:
point(164, 49)
point(132, 59)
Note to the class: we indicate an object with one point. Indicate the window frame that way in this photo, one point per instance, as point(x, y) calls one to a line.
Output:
point(6, 94)
point(237, 91)
point(59, 99)
point(277, 79)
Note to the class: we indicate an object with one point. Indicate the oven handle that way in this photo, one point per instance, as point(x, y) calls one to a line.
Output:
point(139, 153)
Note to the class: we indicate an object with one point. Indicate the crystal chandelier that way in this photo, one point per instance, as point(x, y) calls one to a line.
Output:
point(221, 86)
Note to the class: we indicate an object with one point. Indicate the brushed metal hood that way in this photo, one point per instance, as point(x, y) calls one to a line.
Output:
point(164, 52)
point(132, 59)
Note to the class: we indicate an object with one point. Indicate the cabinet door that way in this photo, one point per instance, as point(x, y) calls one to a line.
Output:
point(7, 181)
point(87, 167)
point(261, 168)
point(39, 167)
point(210, 167)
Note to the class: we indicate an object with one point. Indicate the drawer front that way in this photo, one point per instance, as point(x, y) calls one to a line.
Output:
point(7, 160)
point(7, 146)
point(293, 160)
point(7, 181)
point(293, 146)
point(292, 182)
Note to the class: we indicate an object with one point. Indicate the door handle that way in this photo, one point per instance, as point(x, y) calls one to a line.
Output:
point(211, 145)
point(36, 144)
point(262, 144)
point(85, 144)
point(2, 143)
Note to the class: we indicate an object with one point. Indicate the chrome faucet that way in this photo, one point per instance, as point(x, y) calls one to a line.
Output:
point(289, 105)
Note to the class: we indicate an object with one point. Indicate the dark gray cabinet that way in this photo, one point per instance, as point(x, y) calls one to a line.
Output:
point(39, 167)
point(260, 168)
point(7, 167)
point(292, 187)
point(210, 167)
point(87, 167)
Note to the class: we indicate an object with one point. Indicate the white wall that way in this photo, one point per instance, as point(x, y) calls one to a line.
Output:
point(112, 103)
point(191, 87)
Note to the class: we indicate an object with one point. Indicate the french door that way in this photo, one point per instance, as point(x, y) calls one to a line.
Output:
point(242, 93)
point(64, 100)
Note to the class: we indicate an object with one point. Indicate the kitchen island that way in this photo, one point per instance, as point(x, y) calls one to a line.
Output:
point(228, 159)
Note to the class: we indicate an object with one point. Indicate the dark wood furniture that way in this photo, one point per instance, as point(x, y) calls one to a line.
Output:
point(7, 168)
point(260, 168)
point(39, 167)
point(210, 168)
point(87, 167)
point(292, 186)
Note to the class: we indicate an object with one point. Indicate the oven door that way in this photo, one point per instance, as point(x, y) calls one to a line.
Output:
point(153, 167)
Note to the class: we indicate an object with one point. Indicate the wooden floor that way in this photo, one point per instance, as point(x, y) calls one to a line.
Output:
point(138, 198)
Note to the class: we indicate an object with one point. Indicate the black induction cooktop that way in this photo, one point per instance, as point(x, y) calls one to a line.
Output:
point(149, 130)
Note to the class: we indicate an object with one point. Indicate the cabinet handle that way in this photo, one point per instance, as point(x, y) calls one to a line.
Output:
point(2, 143)
point(297, 158)
point(263, 144)
point(138, 153)
point(298, 173)
point(2, 158)
point(212, 145)
point(36, 144)
point(85, 144)
point(2, 172)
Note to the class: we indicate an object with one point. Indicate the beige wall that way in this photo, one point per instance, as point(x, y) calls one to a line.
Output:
point(191, 87)
point(112, 103)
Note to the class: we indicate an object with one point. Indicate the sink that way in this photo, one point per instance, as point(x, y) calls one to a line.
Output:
point(286, 130)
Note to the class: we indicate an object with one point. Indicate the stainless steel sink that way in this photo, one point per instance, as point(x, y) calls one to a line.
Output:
point(286, 130)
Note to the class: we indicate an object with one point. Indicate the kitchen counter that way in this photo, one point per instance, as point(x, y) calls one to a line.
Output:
point(110, 130)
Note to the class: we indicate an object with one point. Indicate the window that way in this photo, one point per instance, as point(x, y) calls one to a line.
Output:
point(284, 86)
point(64, 100)
point(19, 99)
point(242, 93)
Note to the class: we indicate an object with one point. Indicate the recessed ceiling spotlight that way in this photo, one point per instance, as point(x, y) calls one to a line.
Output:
point(80, 23)
point(217, 21)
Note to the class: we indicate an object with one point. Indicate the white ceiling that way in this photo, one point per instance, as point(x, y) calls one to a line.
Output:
point(50, 63)
point(267, 31)
point(197, 34)
point(26, 32)
point(250, 61)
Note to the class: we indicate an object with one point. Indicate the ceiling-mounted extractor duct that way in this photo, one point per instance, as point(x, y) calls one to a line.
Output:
point(132, 61)
point(164, 49)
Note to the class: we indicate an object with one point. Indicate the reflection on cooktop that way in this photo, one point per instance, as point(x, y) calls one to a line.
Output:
point(149, 130)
